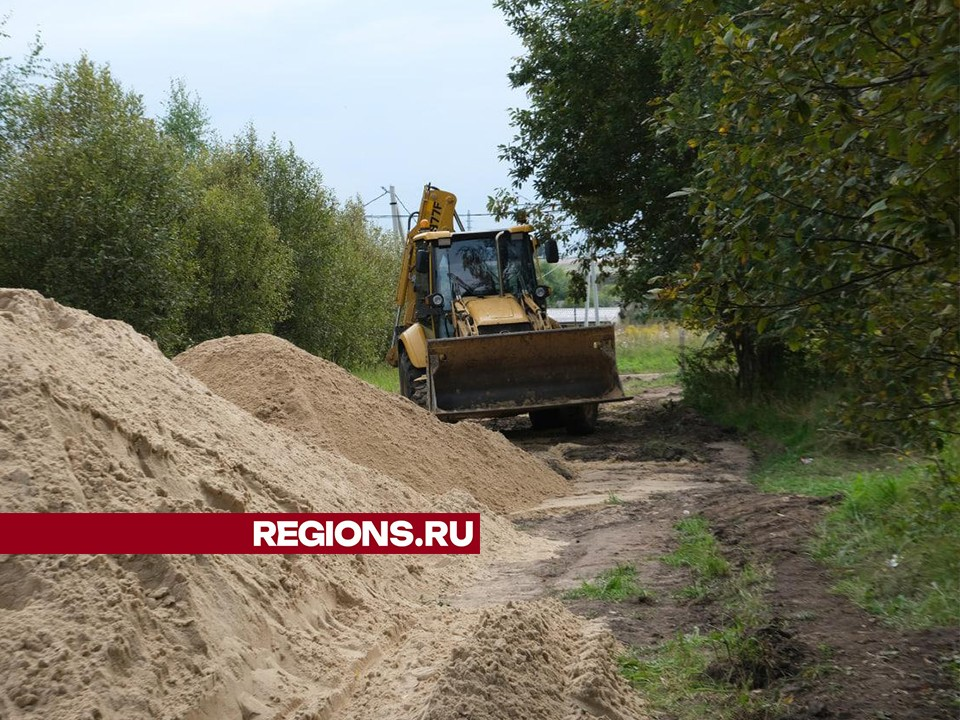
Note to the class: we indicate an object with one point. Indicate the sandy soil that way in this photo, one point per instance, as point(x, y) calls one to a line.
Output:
point(327, 406)
point(94, 418)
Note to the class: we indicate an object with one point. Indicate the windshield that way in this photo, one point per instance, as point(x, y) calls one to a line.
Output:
point(471, 267)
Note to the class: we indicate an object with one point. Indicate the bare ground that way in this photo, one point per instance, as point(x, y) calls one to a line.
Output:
point(653, 462)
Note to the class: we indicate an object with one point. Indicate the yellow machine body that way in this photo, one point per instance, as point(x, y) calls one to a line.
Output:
point(484, 346)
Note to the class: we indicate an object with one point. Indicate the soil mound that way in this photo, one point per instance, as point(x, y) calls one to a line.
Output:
point(283, 385)
point(94, 418)
point(543, 663)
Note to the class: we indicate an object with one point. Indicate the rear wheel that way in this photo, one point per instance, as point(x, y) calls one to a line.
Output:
point(582, 419)
point(413, 385)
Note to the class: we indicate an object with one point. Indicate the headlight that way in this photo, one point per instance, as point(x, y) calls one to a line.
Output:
point(436, 300)
point(542, 292)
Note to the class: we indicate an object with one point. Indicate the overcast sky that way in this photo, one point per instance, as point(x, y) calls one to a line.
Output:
point(371, 93)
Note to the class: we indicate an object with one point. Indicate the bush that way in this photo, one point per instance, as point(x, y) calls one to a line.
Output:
point(91, 205)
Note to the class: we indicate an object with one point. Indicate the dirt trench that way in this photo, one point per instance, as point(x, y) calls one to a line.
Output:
point(654, 462)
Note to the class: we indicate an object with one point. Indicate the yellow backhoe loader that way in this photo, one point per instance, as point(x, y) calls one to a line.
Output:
point(472, 337)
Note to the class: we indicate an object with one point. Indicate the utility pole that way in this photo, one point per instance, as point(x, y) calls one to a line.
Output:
point(594, 274)
point(594, 293)
point(395, 212)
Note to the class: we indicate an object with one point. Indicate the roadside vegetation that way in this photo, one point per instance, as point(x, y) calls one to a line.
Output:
point(614, 585)
point(380, 375)
point(893, 536)
point(652, 347)
point(718, 672)
point(158, 222)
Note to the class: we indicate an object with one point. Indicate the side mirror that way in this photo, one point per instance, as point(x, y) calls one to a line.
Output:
point(551, 253)
point(423, 261)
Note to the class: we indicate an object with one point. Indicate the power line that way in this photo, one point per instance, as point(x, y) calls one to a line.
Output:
point(385, 192)
point(387, 217)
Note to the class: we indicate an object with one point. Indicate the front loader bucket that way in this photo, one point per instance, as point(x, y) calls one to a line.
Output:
point(513, 373)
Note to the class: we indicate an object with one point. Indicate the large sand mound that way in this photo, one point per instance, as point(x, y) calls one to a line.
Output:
point(285, 386)
point(94, 418)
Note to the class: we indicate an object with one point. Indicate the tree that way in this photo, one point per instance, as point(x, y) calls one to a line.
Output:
point(304, 212)
point(17, 81)
point(186, 120)
point(91, 204)
point(359, 289)
point(243, 270)
point(585, 142)
point(827, 138)
point(341, 289)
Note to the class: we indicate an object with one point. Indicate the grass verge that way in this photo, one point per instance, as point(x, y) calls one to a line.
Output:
point(381, 375)
point(893, 539)
point(613, 585)
point(652, 348)
point(894, 542)
point(723, 672)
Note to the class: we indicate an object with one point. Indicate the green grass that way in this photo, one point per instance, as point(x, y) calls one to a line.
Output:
point(381, 375)
point(671, 677)
point(675, 677)
point(895, 544)
point(709, 673)
point(613, 585)
point(893, 539)
point(613, 499)
point(699, 551)
point(651, 348)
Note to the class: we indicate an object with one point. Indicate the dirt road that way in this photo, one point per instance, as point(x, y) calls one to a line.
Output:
point(654, 462)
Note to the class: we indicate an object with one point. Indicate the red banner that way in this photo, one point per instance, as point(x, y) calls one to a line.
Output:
point(239, 533)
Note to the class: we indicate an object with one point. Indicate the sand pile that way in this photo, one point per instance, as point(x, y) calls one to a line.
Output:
point(533, 660)
point(94, 418)
point(285, 386)
point(519, 661)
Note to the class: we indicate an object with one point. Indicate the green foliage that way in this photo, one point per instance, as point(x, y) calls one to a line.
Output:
point(827, 137)
point(186, 120)
point(360, 290)
point(17, 82)
point(339, 304)
point(165, 227)
point(613, 585)
point(304, 212)
point(243, 271)
point(672, 677)
point(92, 207)
point(719, 673)
point(895, 541)
point(716, 674)
point(584, 142)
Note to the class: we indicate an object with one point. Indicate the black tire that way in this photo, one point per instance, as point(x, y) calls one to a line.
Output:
point(547, 419)
point(412, 386)
point(582, 419)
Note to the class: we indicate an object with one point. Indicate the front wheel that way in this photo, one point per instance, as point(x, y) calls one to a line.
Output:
point(582, 419)
point(413, 384)
point(546, 419)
